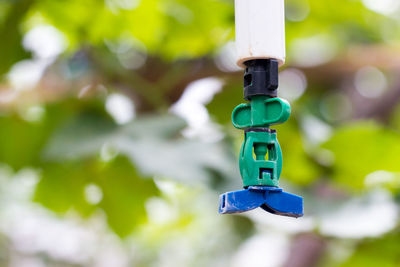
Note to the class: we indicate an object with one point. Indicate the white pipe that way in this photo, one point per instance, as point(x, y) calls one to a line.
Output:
point(260, 30)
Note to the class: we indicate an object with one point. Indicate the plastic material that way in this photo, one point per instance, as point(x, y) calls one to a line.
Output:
point(260, 78)
point(260, 159)
point(260, 30)
point(271, 199)
point(266, 167)
point(262, 111)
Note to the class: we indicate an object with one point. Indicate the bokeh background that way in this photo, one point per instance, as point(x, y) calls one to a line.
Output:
point(115, 135)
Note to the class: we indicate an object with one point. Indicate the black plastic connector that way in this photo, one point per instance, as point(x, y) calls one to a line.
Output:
point(261, 78)
point(259, 129)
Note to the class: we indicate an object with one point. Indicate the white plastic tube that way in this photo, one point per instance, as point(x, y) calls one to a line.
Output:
point(260, 30)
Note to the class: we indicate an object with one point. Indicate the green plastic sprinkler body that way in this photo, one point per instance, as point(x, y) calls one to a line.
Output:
point(260, 160)
point(264, 167)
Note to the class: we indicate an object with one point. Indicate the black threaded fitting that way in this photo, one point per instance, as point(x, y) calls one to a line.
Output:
point(259, 129)
point(261, 78)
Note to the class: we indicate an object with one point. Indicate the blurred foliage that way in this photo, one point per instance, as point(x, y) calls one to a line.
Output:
point(382, 145)
point(11, 16)
point(152, 143)
point(169, 29)
point(150, 51)
point(62, 188)
point(382, 252)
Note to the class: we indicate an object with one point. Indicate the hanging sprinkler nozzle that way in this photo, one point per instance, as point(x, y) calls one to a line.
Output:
point(260, 159)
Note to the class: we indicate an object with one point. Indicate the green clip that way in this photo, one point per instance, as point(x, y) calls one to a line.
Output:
point(262, 111)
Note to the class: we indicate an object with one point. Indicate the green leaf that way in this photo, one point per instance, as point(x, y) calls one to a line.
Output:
point(152, 143)
point(22, 141)
point(376, 252)
point(11, 49)
point(125, 193)
point(63, 187)
point(298, 166)
point(170, 29)
point(360, 149)
point(223, 103)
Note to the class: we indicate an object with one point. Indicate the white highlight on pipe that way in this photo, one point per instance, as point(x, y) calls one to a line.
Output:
point(260, 30)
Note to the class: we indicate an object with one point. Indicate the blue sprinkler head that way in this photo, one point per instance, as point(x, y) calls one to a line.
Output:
point(271, 199)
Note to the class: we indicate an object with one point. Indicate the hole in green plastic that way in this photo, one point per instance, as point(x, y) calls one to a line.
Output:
point(260, 151)
point(265, 172)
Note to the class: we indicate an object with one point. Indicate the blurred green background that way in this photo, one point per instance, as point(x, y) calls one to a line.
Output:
point(115, 135)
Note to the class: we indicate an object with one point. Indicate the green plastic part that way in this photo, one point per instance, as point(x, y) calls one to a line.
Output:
point(262, 111)
point(260, 160)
